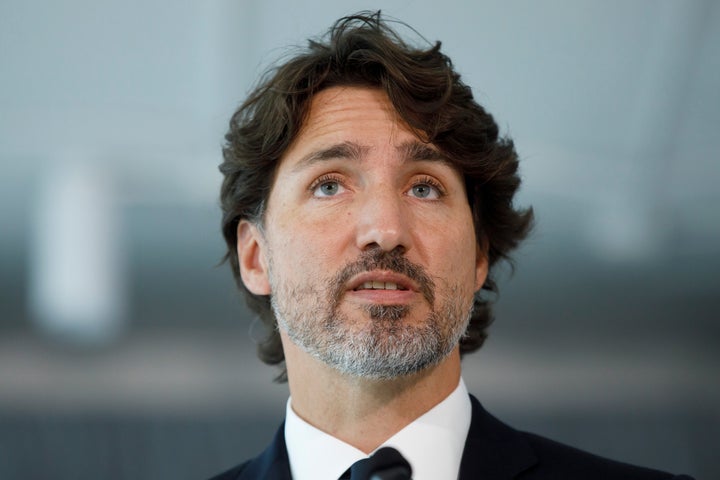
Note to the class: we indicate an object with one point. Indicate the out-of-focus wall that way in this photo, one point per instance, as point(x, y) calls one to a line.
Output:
point(126, 353)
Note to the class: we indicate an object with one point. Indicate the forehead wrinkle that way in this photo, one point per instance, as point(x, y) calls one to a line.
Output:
point(344, 150)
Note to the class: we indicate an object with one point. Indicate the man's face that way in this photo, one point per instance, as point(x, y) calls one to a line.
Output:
point(368, 242)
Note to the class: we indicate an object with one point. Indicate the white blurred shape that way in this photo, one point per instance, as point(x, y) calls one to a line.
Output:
point(76, 285)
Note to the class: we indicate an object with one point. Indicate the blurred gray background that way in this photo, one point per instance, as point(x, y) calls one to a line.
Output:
point(126, 353)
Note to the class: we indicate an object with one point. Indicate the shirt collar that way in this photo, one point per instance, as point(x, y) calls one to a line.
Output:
point(433, 443)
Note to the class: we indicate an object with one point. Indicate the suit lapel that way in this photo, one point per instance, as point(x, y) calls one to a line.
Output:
point(273, 463)
point(493, 451)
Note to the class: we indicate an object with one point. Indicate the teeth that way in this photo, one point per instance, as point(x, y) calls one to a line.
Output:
point(374, 285)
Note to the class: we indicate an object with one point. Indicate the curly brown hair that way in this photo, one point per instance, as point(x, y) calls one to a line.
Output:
point(363, 50)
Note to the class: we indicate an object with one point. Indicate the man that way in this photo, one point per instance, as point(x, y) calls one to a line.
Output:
point(366, 200)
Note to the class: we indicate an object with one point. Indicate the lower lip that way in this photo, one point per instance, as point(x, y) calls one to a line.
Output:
point(388, 297)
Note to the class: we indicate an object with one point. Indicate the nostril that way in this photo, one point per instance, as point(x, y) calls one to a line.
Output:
point(384, 233)
point(372, 246)
point(400, 249)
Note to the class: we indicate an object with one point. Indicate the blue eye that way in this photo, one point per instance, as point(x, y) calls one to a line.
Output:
point(422, 190)
point(327, 187)
point(427, 189)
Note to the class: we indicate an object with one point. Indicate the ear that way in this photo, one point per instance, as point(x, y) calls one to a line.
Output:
point(481, 265)
point(251, 258)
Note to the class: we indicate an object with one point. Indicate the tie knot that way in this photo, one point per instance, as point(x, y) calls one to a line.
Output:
point(385, 464)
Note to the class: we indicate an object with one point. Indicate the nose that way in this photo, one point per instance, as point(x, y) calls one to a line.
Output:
point(383, 221)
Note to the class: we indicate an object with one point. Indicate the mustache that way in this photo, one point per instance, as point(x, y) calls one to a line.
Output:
point(394, 261)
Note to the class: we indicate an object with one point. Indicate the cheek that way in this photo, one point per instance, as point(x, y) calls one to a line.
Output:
point(460, 256)
point(305, 248)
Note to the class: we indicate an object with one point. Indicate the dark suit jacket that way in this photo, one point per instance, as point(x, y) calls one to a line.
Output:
point(493, 451)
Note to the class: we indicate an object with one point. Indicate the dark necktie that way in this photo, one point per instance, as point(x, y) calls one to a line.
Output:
point(385, 464)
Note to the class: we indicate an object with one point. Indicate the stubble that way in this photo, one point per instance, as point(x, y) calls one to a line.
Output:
point(385, 346)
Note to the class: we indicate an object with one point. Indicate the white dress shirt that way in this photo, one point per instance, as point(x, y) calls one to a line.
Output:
point(433, 443)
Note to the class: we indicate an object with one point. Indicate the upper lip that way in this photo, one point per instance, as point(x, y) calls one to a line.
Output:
point(382, 276)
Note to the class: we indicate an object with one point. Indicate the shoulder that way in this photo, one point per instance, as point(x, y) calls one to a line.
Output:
point(556, 460)
point(493, 447)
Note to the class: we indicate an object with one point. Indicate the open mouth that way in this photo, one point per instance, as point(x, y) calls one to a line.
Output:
point(376, 285)
point(381, 281)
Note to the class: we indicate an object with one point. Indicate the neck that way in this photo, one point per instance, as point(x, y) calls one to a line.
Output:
point(364, 412)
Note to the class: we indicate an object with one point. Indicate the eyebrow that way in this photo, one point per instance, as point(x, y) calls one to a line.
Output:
point(412, 150)
point(419, 151)
point(347, 150)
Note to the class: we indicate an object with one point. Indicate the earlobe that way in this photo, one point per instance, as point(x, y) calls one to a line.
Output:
point(251, 258)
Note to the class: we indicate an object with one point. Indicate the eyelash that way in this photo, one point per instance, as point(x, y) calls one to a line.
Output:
point(335, 178)
point(329, 177)
point(431, 182)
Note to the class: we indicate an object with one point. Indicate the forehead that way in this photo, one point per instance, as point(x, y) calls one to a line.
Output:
point(362, 115)
point(347, 104)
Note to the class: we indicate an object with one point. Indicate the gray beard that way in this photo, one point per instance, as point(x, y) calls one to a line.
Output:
point(385, 347)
